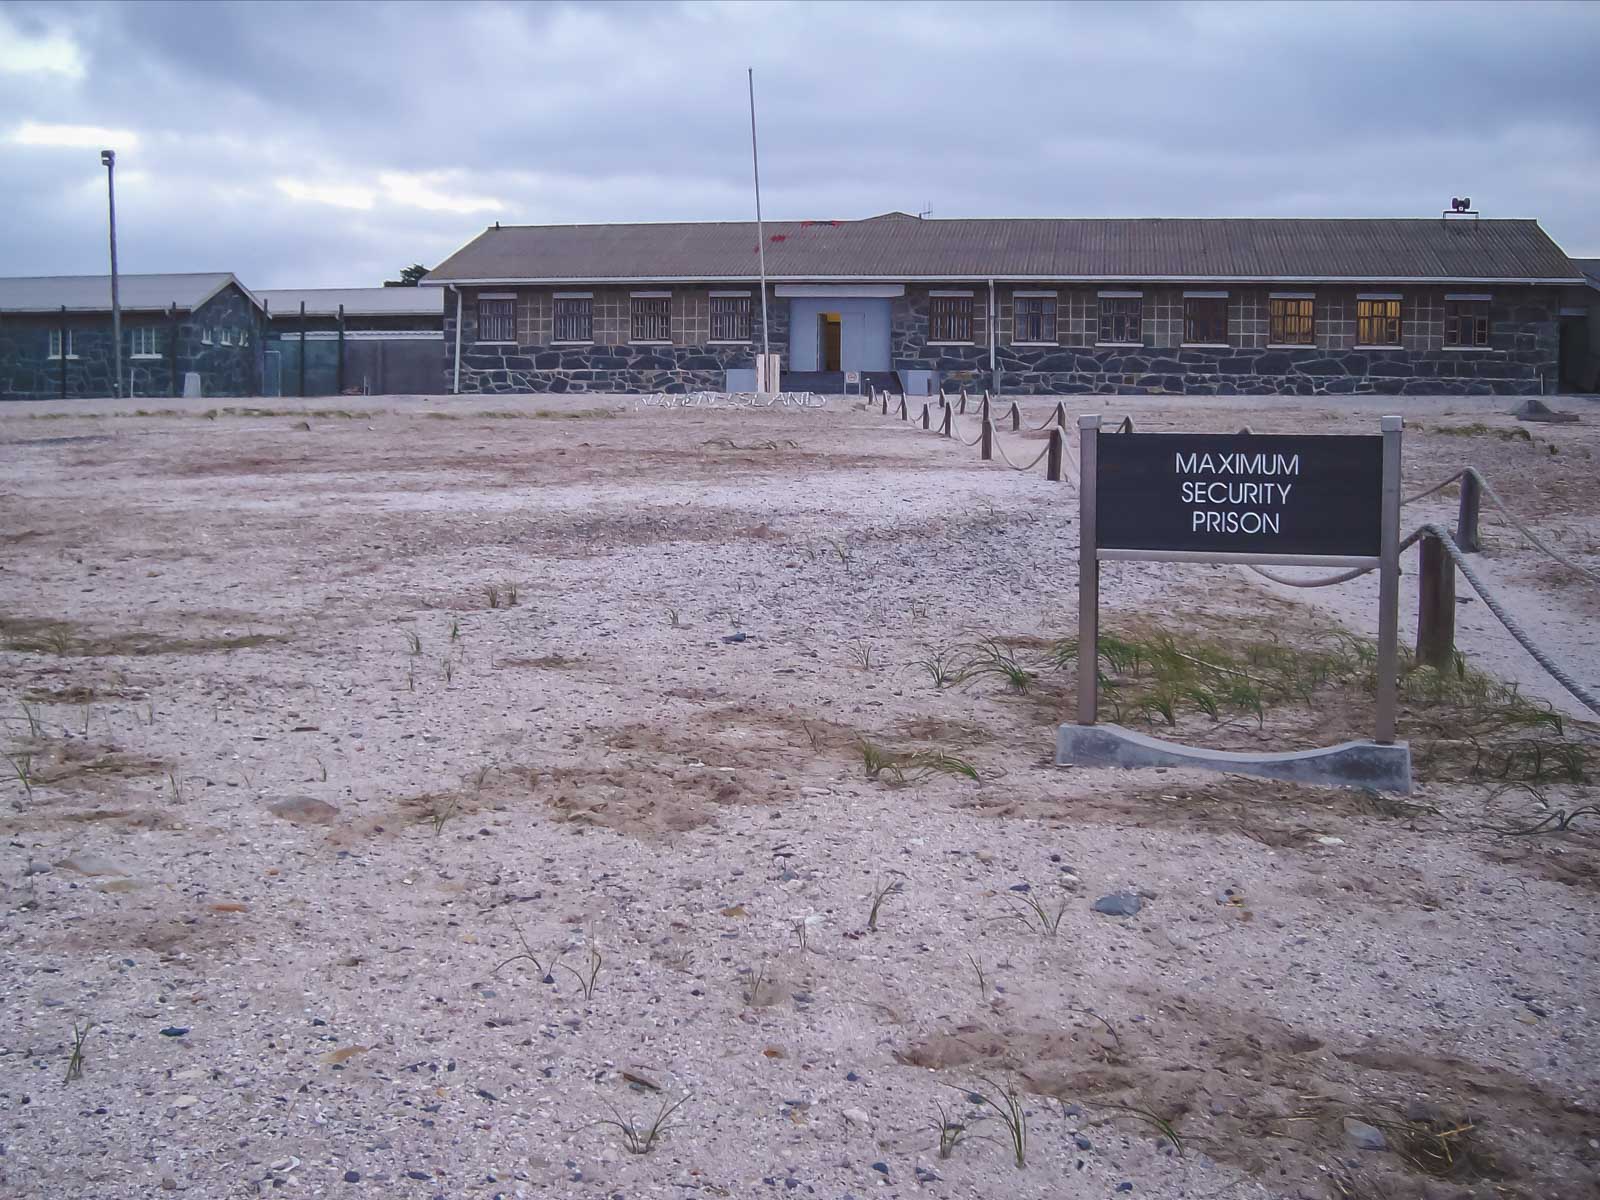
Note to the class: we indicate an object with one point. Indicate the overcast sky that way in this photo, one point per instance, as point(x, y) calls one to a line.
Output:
point(331, 144)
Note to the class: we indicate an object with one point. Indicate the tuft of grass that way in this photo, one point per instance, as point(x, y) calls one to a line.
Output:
point(983, 978)
point(455, 630)
point(30, 714)
point(447, 669)
point(526, 954)
point(443, 809)
point(1006, 1101)
point(672, 618)
point(900, 767)
point(638, 1138)
point(512, 592)
point(589, 977)
point(413, 642)
point(491, 593)
point(1032, 911)
point(861, 653)
point(80, 1034)
point(942, 667)
point(951, 1132)
point(756, 980)
point(842, 552)
point(880, 892)
point(1162, 1124)
point(22, 768)
point(991, 657)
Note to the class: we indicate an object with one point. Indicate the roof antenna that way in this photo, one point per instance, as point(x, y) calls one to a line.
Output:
point(927, 212)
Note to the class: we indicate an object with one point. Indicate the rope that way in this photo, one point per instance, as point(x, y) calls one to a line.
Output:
point(1001, 451)
point(1328, 580)
point(1058, 416)
point(957, 432)
point(1556, 672)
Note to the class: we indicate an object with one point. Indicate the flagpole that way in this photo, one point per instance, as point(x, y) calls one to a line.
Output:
point(761, 240)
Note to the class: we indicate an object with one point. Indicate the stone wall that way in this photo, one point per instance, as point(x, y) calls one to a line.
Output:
point(612, 362)
point(27, 372)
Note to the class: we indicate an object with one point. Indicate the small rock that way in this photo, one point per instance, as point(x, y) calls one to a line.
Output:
point(1330, 841)
point(856, 1116)
point(1125, 1186)
point(733, 638)
point(1363, 1136)
point(927, 1175)
point(175, 1031)
point(304, 810)
point(882, 1168)
point(1081, 1142)
point(186, 1102)
point(1020, 887)
point(91, 864)
point(352, 1176)
point(168, 1184)
point(34, 868)
point(1119, 904)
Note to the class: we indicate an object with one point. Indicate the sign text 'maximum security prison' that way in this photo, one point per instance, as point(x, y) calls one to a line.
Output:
point(1202, 492)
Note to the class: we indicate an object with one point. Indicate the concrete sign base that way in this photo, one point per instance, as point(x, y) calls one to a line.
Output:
point(1386, 768)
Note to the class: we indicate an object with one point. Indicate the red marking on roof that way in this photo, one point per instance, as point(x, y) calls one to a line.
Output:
point(779, 237)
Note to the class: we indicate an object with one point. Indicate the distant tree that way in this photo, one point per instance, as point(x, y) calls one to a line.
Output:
point(409, 277)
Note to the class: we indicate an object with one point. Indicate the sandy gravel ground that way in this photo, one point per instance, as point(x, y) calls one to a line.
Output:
point(311, 822)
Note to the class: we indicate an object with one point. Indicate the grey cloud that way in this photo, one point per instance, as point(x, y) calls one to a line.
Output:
point(638, 112)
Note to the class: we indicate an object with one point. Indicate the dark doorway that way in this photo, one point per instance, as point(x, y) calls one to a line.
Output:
point(829, 327)
point(1580, 362)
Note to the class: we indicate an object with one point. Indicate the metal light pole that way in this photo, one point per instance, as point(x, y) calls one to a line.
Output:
point(108, 159)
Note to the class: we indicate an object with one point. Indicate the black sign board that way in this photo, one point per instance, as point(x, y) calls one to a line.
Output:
point(1239, 493)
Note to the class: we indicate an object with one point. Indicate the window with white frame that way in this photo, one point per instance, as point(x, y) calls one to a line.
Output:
point(227, 335)
point(205, 335)
point(244, 337)
point(730, 318)
point(1034, 317)
point(652, 317)
point(55, 343)
point(146, 341)
point(574, 319)
point(1291, 320)
point(497, 319)
point(1122, 319)
point(1466, 322)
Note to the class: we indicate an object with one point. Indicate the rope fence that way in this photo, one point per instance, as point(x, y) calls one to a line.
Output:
point(1436, 624)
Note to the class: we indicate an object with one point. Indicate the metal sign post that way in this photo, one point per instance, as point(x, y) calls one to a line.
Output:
point(1240, 498)
point(1088, 570)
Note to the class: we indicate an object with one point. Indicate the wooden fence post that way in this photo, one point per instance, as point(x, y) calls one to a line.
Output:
point(925, 414)
point(948, 422)
point(1467, 514)
point(1016, 417)
point(1436, 606)
point(963, 409)
point(987, 451)
point(1052, 458)
point(904, 413)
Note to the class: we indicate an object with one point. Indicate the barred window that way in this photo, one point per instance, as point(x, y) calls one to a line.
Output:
point(652, 318)
point(1205, 320)
point(146, 340)
point(1466, 322)
point(574, 319)
point(1035, 319)
point(1291, 321)
point(1377, 322)
point(497, 320)
point(950, 318)
point(730, 318)
point(1121, 319)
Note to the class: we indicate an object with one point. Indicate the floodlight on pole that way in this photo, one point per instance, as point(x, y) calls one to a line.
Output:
point(108, 159)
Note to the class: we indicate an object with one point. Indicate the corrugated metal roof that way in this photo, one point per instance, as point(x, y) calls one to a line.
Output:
point(1591, 270)
point(369, 302)
point(897, 246)
point(92, 293)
